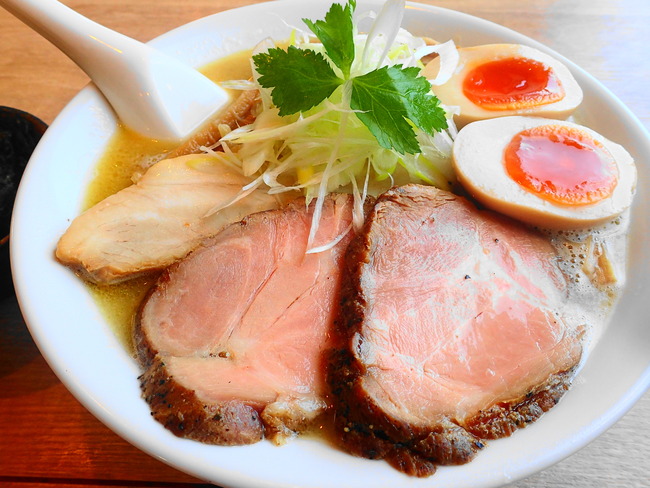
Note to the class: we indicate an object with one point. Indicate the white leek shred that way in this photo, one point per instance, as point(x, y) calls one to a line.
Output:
point(330, 244)
point(239, 84)
point(327, 148)
point(449, 57)
point(262, 47)
point(386, 25)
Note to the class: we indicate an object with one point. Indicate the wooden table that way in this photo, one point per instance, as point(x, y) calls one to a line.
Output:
point(48, 439)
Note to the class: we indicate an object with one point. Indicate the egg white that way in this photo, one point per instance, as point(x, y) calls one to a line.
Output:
point(451, 92)
point(478, 160)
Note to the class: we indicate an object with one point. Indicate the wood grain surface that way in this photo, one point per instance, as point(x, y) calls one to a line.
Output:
point(47, 439)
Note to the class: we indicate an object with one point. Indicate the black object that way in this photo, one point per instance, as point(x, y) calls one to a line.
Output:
point(19, 134)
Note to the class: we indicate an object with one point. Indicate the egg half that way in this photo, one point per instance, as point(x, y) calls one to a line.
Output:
point(550, 173)
point(496, 80)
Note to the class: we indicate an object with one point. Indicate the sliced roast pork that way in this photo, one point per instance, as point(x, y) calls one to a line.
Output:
point(242, 111)
point(158, 220)
point(455, 331)
point(232, 338)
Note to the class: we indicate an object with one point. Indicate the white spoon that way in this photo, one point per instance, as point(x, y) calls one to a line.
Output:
point(151, 92)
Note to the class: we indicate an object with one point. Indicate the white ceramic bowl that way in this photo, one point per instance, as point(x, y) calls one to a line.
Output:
point(81, 349)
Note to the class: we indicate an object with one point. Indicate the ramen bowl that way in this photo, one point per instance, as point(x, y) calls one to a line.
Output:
point(83, 351)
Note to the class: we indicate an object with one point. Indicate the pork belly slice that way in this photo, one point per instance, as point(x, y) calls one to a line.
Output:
point(454, 329)
point(158, 220)
point(232, 338)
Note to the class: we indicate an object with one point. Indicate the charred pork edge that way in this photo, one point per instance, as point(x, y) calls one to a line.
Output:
point(179, 409)
point(365, 430)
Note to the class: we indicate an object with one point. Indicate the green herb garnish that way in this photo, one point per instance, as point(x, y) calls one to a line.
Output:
point(390, 101)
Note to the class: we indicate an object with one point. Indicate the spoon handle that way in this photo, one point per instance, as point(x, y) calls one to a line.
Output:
point(151, 92)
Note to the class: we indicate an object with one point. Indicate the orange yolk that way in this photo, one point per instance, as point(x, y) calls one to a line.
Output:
point(561, 164)
point(511, 84)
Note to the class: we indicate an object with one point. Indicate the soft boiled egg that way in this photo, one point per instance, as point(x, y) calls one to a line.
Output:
point(550, 173)
point(496, 80)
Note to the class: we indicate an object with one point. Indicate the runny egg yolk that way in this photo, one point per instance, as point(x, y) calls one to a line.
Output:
point(512, 83)
point(561, 164)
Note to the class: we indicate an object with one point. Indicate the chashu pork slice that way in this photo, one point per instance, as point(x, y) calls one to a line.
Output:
point(158, 220)
point(455, 331)
point(232, 338)
point(242, 111)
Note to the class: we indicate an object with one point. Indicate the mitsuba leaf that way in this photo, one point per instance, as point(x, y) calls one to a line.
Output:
point(390, 100)
point(336, 33)
point(299, 78)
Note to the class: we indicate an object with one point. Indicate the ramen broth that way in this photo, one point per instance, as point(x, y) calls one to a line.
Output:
point(594, 261)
